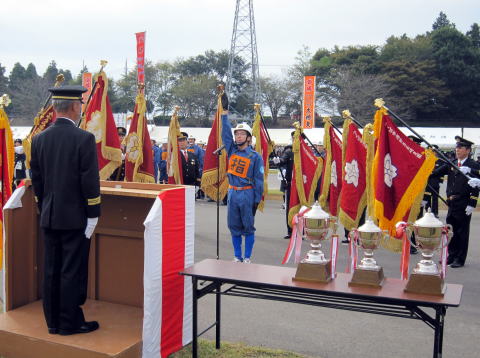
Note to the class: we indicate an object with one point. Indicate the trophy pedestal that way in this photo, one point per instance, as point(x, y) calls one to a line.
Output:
point(314, 272)
point(371, 278)
point(426, 284)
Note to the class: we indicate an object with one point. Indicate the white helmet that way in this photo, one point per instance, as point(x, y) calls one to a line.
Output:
point(244, 127)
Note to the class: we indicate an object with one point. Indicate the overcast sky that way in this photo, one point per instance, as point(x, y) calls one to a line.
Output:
point(73, 32)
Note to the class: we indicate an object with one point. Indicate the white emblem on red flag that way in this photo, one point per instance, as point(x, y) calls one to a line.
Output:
point(390, 170)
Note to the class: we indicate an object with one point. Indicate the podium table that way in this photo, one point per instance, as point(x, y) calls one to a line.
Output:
point(115, 278)
point(276, 284)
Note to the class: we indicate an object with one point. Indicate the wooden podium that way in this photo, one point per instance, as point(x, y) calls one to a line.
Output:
point(115, 292)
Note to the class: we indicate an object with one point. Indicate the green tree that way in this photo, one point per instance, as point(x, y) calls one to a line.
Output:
point(274, 95)
point(442, 21)
point(51, 73)
point(196, 97)
point(3, 80)
point(458, 65)
point(474, 35)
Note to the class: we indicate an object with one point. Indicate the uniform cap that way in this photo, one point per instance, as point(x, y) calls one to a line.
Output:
point(69, 92)
point(183, 135)
point(462, 142)
point(122, 131)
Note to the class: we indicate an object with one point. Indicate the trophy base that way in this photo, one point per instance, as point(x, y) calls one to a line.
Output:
point(370, 278)
point(314, 272)
point(426, 284)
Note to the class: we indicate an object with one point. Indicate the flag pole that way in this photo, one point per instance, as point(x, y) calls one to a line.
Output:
point(304, 136)
point(257, 107)
point(379, 102)
point(221, 92)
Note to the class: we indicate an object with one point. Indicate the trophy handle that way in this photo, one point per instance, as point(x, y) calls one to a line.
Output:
point(385, 238)
point(409, 231)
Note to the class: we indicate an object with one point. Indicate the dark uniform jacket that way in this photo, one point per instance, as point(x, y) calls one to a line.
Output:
point(459, 193)
point(65, 176)
point(190, 169)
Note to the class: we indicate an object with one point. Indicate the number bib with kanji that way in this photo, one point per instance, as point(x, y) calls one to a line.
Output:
point(238, 166)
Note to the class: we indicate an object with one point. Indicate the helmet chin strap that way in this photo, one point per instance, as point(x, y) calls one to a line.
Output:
point(240, 144)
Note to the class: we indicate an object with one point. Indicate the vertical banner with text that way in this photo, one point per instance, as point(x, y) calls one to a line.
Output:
point(141, 56)
point(308, 115)
point(88, 84)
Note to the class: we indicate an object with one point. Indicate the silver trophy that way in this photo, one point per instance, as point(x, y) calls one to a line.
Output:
point(368, 237)
point(429, 233)
point(318, 226)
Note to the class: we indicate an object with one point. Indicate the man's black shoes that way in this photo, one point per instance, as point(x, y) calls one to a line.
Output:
point(86, 327)
point(52, 330)
point(456, 264)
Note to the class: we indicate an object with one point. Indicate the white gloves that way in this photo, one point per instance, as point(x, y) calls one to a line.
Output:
point(276, 160)
point(465, 170)
point(91, 223)
point(474, 182)
point(469, 210)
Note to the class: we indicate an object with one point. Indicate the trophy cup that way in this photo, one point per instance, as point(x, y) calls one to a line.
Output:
point(429, 233)
point(368, 237)
point(318, 226)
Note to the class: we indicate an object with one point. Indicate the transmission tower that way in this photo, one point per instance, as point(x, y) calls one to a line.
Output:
point(244, 49)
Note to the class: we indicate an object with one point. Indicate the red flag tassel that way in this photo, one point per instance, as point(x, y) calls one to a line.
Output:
point(333, 255)
point(405, 259)
point(444, 257)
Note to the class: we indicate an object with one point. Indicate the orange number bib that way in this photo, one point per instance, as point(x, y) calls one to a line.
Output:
point(238, 166)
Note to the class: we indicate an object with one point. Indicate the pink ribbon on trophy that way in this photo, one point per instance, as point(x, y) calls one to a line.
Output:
point(352, 251)
point(444, 254)
point(401, 232)
point(333, 255)
point(296, 238)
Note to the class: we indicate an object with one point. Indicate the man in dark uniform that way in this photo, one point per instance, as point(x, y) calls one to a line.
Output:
point(462, 200)
point(66, 183)
point(119, 173)
point(286, 163)
point(190, 165)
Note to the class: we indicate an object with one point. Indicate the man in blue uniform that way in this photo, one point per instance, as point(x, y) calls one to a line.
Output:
point(157, 153)
point(163, 162)
point(245, 176)
point(67, 189)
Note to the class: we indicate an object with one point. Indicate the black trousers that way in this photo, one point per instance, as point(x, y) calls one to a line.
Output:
point(65, 278)
point(458, 247)
point(287, 208)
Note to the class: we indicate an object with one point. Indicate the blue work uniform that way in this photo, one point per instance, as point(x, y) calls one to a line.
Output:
point(245, 176)
point(199, 153)
point(163, 166)
point(156, 161)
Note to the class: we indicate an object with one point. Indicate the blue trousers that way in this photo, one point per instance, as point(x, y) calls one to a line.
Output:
point(240, 221)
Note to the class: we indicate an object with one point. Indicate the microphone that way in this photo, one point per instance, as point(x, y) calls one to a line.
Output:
point(219, 149)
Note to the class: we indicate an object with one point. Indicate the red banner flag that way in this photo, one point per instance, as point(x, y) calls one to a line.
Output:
point(264, 147)
point(141, 56)
point(308, 113)
point(174, 161)
point(353, 197)
point(332, 175)
point(138, 154)
point(7, 156)
point(87, 82)
point(41, 122)
point(99, 121)
point(211, 170)
point(400, 172)
point(306, 172)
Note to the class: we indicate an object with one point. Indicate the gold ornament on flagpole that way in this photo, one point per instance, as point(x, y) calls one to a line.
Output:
point(5, 100)
point(326, 119)
point(346, 114)
point(379, 103)
point(59, 80)
point(256, 107)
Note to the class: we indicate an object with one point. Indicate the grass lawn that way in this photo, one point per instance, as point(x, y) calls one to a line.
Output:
point(233, 350)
